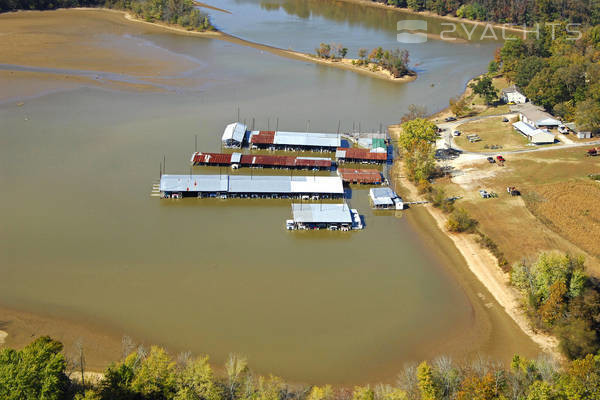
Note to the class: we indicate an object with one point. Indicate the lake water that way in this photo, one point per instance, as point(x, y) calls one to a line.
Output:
point(82, 238)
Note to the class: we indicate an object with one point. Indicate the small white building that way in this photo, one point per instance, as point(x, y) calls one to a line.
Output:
point(536, 136)
point(513, 94)
point(385, 198)
point(580, 134)
point(535, 116)
point(234, 135)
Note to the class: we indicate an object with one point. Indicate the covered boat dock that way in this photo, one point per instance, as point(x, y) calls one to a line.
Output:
point(249, 186)
point(385, 198)
point(323, 216)
point(294, 141)
point(358, 155)
point(237, 160)
point(360, 176)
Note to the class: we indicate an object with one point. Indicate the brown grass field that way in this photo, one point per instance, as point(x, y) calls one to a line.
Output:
point(571, 209)
point(559, 223)
point(492, 132)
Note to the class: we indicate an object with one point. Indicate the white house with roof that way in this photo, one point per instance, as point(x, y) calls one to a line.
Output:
point(535, 135)
point(536, 117)
point(513, 94)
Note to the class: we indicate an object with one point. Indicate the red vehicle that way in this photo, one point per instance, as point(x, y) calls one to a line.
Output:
point(593, 152)
point(500, 158)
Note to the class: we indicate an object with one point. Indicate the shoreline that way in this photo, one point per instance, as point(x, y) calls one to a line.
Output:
point(294, 55)
point(483, 265)
point(291, 54)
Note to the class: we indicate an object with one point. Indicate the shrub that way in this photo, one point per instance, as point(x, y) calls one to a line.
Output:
point(460, 221)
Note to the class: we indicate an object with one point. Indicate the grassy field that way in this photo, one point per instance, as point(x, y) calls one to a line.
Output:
point(571, 209)
point(554, 212)
point(492, 132)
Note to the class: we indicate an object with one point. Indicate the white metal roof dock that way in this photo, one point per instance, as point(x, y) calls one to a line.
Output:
point(234, 135)
point(307, 139)
point(279, 184)
point(384, 197)
point(321, 213)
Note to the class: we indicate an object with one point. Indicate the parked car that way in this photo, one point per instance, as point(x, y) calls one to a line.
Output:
point(456, 133)
point(563, 129)
point(450, 119)
point(484, 194)
point(500, 158)
point(504, 119)
point(491, 160)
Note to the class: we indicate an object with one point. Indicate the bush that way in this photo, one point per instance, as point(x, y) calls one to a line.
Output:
point(460, 221)
point(487, 243)
point(438, 199)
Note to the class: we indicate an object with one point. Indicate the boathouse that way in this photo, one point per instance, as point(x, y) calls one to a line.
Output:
point(324, 216)
point(385, 198)
point(294, 141)
point(234, 135)
point(237, 160)
point(365, 156)
point(244, 186)
point(360, 176)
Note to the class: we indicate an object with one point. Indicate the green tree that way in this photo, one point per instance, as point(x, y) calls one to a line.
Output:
point(587, 115)
point(417, 130)
point(363, 393)
point(427, 387)
point(156, 376)
point(582, 379)
point(320, 393)
point(484, 87)
point(196, 382)
point(35, 372)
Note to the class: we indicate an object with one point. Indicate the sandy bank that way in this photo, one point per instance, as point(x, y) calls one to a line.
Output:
point(484, 266)
point(345, 63)
point(101, 346)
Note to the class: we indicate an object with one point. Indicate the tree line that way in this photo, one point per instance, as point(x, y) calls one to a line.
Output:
point(180, 12)
point(42, 371)
point(508, 11)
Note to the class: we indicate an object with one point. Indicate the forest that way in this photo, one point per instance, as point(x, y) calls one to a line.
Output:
point(509, 11)
point(41, 370)
point(180, 12)
point(558, 73)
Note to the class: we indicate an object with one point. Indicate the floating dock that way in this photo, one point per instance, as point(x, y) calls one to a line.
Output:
point(365, 156)
point(294, 141)
point(237, 160)
point(234, 135)
point(385, 198)
point(249, 186)
point(323, 216)
point(360, 176)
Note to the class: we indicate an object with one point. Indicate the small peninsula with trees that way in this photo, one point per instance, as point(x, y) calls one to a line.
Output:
point(391, 63)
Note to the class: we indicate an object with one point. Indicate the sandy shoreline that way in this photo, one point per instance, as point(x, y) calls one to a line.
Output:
point(345, 63)
point(483, 265)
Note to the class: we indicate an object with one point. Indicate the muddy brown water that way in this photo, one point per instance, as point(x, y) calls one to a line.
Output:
point(81, 238)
